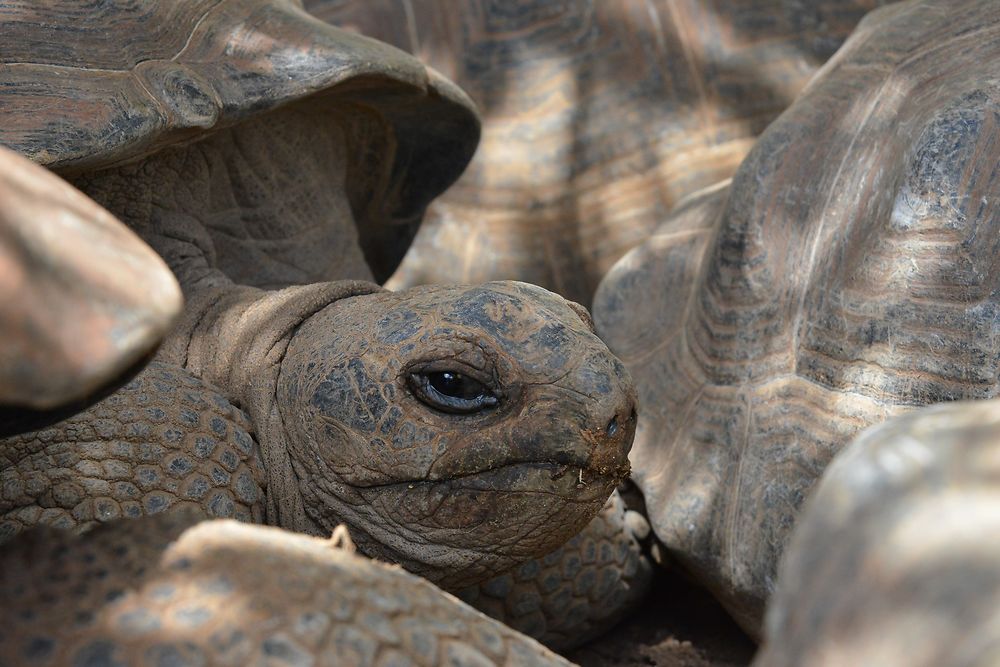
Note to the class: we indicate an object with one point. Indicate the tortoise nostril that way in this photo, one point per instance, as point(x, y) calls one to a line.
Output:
point(612, 429)
point(633, 416)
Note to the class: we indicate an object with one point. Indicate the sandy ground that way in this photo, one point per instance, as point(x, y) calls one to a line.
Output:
point(679, 625)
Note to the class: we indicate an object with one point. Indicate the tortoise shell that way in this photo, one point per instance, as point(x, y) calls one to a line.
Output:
point(599, 117)
point(76, 100)
point(849, 273)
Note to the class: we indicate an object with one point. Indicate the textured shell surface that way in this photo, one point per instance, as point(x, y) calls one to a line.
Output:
point(179, 67)
point(76, 101)
point(849, 273)
point(598, 117)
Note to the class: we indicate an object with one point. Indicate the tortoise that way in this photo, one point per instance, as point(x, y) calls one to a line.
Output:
point(848, 273)
point(278, 165)
point(82, 299)
point(166, 441)
point(598, 118)
point(894, 558)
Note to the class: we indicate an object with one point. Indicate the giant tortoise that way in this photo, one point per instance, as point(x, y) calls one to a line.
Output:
point(271, 159)
point(82, 299)
point(848, 273)
point(598, 117)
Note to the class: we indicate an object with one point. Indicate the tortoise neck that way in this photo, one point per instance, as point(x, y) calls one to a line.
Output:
point(235, 338)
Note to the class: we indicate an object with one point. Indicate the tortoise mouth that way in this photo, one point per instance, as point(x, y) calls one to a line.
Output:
point(585, 455)
point(483, 523)
point(577, 482)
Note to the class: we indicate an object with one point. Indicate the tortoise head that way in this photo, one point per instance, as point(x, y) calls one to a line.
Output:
point(456, 430)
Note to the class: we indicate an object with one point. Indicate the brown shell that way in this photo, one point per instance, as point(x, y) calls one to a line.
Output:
point(82, 299)
point(598, 117)
point(87, 87)
point(896, 558)
point(850, 272)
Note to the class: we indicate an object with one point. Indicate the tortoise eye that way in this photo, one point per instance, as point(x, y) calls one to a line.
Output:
point(452, 392)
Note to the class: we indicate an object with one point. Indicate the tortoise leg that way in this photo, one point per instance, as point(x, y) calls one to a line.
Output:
point(162, 440)
point(579, 590)
point(162, 590)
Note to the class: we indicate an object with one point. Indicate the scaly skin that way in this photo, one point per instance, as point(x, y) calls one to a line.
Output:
point(159, 591)
point(164, 439)
point(579, 590)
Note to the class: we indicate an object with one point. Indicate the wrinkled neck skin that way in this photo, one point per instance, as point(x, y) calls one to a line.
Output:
point(255, 223)
point(236, 337)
